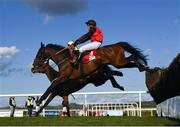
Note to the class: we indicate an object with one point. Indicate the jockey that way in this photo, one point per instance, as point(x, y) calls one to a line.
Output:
point(94, 34)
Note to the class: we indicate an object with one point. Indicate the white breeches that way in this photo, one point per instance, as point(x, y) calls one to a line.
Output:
point(90, 46)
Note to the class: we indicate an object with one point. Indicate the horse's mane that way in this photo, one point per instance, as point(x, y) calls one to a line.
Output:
point(173, 69)
point(175, 64)
point(55, 46)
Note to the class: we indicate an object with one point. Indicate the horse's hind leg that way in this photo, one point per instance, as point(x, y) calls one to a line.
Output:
point(110, 74)
point(113, 81)
point(115, 84)
point(117, 73)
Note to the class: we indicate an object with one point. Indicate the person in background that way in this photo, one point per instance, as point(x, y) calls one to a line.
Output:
point(12, 104)
point(29, 105)
point(64, 109)
point(37, 104)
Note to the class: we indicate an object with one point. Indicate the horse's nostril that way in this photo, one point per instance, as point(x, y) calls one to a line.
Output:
point(32, 70)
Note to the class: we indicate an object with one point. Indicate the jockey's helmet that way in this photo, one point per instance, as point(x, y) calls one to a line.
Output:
point(91, 22)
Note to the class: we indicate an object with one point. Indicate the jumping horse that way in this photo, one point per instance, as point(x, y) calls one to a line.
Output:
point(108, 55)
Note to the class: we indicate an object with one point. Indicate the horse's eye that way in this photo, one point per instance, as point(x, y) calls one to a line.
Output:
point(36, 66)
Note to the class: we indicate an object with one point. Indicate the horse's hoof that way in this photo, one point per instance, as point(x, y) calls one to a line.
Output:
point(121, 74)
point(143, 67)
point(121, 88)
point(36, 114)
point(38, 103)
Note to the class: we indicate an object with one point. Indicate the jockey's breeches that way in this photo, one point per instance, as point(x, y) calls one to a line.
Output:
point(90, 46)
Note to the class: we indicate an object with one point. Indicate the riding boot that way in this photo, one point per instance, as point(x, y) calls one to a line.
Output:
point(76, 53)
point(76, 63)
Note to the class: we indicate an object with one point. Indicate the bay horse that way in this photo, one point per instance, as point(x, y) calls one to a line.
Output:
point(53, 74)
point(108, 55)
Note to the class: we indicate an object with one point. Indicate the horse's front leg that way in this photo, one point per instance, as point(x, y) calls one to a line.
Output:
point(50, 97)
point(45, 95)
point(50, 89)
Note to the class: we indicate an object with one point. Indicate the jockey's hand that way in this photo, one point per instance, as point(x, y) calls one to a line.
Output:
point(70, 43)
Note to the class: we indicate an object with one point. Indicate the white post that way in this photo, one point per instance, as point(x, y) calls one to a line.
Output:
point(139, 104)
point(92, 110)
point(88, 110)
point(96, 110)
point(85, 104)
point(43, 108)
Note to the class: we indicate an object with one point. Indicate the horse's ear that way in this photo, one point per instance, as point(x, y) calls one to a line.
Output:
point(42, 45)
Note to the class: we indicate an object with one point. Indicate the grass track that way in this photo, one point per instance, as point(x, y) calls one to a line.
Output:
point(87, 121)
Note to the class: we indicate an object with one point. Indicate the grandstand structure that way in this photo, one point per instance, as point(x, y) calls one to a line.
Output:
point(121, 103)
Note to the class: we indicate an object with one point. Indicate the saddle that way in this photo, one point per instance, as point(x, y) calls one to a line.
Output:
point(86, 57)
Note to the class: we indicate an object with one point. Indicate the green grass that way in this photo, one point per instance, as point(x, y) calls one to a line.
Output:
point(87, 121)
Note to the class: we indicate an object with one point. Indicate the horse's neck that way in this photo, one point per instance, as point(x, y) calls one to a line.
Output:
point(55, 57)
point(51, 73)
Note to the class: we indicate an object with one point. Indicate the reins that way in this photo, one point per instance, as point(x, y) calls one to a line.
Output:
point(55, 54)
point(61, 61)
point(60, 51)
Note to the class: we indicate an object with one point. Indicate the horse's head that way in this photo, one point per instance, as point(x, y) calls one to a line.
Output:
point(43, 68)
point(40, 60)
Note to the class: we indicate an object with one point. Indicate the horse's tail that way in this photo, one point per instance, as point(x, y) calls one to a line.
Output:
point(134, 51)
